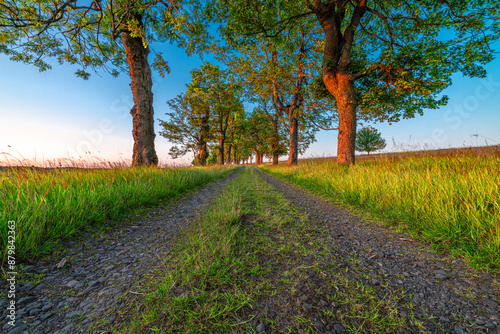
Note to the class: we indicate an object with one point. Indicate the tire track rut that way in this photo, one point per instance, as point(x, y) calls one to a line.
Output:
point(451, 297)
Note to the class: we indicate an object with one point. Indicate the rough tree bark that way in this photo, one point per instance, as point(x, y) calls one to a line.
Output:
point(202, 153)
point(222, 137)
point(275, 142)
point(142, 113)
point(202, 143)
point(235, 157)
point(291, 109)
point(343, 90)
point(221, 150)
point(294, 139)
point(337, 76)
point(258, 158)
point(228, 158)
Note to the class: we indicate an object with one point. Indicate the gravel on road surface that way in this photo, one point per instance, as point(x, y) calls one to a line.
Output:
point(450, 297)
point(103, 274)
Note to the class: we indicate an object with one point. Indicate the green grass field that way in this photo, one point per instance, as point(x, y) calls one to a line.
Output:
point(450, 201)
point(52, 204)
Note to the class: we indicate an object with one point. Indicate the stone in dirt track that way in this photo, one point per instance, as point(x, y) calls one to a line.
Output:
point(448, 297)
point(100, 274)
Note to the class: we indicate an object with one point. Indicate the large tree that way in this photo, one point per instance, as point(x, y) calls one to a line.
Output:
point(222, 95)
point(259, 133)
point(188, 127)
point(237, 135)
point(288, 96)
point(278, 139)
point(87, 32)
point(382, 60)
point(278, 70)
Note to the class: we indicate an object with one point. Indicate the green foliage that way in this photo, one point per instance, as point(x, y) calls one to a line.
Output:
point(401, 59)
point(161, 65)
point(86, 33)
point(212, 158)
point(238, 135)
point(273, 72)
point(260, 132)
point(185, 125)
point(368, 140)
point(221, 95)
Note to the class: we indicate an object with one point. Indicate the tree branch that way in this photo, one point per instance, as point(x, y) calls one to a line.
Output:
point(359, 11)
point(387, 25)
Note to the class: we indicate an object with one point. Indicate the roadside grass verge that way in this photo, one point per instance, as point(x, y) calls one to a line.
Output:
point(49, 205)
point(247, 262)
point(452, 202)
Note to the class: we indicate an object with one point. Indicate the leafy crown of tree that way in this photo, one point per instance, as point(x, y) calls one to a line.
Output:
point(368, 140)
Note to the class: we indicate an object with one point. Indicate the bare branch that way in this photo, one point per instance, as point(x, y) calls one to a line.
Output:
point(319, 126)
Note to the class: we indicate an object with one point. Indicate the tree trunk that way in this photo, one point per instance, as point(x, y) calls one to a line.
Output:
point(228, 158)
point(142, 113)
point(336, 68)
point(275, 143)
point(342, 88)
point(202, 153)
point(202, 143)
point(221, 150)
point(258, 158)
point(294, 138)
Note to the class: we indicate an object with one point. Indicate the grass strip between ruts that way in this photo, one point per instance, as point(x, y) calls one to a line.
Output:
point(242, 262)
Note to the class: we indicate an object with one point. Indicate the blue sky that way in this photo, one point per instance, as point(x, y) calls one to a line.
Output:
point(54, 114)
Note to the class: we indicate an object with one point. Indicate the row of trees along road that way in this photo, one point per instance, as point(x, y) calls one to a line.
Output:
point(211, 114)
point(210, 110)
point(377, 60)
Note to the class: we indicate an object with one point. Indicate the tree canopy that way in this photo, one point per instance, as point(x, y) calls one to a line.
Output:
point(85, 33)
point(381, 61)
point(377, 61)
point(368, 140)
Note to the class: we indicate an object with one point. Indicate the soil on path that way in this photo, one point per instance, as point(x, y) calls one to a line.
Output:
point(100, 272)
point(448, 296)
